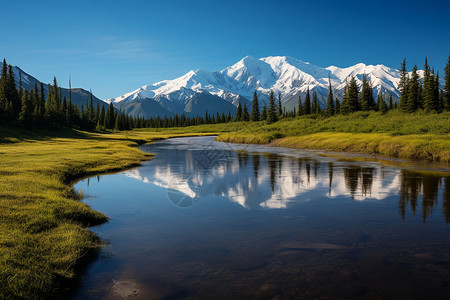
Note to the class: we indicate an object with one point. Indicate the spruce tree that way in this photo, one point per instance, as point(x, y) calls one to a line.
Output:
point(238, 115)
point(367, 101)
point(391, 102)
point(12, 95)
point(280, 107)
point(307, 104)
point(353, 95)
point(330, 99)
point(3, 88)
point(403, 85)
point(337, 104)
point(264, 113)
point(382, 107)
point(25, 115)
point(255, 114)
point(345, 109)
point(272, 110)
point(316, 107)
point(436, 92)
point(428, 89)
point(412, 101)
point(447, 85)
point(245, 115)
point(300, 106)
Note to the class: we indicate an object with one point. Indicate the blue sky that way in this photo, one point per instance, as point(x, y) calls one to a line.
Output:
point(114, 47)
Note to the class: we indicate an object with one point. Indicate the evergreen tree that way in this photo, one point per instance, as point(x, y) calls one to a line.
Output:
point(403, 85)
point(353, 95)
point(337, 106)
point(382, 107)
point(330, 100)
point(315, 107)
point(26, 113)
point(436, 90)
point(307, 104)
point(238, 115)
point(300, 106)
point(109, 117)
point(245, 115)
point(413, 92)
point(255, 115)
point(12, 94)
point(272, 111)
point(447, 85)
point(428, 89)
point(345, 109)
point(3, 88)
point(391, 102)
point(367, 101)
point(264, 113)
point(280, 107)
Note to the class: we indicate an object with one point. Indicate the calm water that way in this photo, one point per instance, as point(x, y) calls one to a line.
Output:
point(207, 220)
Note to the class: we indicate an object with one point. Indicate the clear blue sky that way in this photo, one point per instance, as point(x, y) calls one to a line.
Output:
point(114, 47)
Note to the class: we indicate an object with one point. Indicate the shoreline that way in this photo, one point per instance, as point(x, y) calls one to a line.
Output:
point(379, 145)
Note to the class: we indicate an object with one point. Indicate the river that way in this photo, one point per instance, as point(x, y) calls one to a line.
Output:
point(210, 220)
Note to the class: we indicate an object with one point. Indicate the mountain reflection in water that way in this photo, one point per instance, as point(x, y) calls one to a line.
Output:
point(270, 180)
point(208, 220)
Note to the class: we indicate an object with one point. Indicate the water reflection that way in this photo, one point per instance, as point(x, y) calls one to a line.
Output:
point(267, 223)
point(274, 181)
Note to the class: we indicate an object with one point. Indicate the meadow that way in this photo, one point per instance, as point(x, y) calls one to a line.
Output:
point(44, 227)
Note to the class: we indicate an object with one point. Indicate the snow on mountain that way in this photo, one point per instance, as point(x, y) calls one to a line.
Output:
point(286, 76)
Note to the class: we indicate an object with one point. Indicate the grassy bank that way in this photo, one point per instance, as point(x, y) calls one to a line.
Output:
point(43, 225)
point(396, 134)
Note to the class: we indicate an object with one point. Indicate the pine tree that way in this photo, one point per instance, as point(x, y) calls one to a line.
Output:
point(337, 105)
point(245, 115)
point(25, 115)
point(13, 95)
point(436, 90)
point(315, 107)
point(330, 100)
point(447, 85)
point(238, 115)
point(280, 107)
point(3, 88)
point(255, 115)
point(300, 106)
point(428, 89)
point(345, 109)
point(264, 113)
point(272, 111)
point(403, 85)
point(413, 92)
point(382, 107)
point(109, 117)
point(353, 95)
point(367, 101)
point(307, 104)
point(391, 102)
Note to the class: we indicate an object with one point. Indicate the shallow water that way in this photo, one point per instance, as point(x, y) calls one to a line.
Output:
point(208, 220)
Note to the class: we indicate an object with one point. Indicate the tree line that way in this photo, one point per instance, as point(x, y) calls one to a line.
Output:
point(414, 95)
point(34, 108)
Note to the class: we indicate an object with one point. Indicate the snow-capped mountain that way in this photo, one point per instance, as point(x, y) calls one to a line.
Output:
point(286, 76)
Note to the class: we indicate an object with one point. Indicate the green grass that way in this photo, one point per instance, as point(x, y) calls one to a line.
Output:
point(395, 134)
point(44, 231)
